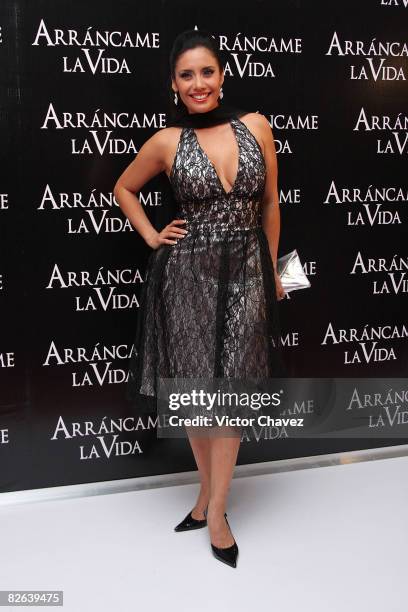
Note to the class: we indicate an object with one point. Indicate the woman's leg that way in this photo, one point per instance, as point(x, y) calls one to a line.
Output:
point(200, 445)
point(223, 457)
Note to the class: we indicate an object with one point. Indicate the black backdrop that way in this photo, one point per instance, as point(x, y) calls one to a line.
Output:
point(84, 84)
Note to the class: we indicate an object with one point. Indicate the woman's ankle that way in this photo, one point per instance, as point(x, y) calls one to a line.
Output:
point(203, 499)
point(216, 508)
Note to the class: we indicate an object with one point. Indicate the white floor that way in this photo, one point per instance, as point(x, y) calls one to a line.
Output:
point(323, 539)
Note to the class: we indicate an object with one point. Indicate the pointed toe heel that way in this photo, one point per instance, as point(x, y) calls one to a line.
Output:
point(189, 523)
point(227, 555)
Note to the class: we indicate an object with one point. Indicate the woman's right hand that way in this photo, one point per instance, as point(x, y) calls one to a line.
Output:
point(169, 235)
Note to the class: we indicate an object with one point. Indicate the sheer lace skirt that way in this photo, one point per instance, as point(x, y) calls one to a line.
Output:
point(208, 309)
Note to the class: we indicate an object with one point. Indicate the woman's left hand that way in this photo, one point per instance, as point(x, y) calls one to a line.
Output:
point(280, 292)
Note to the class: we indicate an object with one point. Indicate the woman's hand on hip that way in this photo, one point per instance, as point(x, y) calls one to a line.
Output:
point(169, 235)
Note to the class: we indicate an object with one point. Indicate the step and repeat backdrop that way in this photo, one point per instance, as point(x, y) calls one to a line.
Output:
point(84, 85)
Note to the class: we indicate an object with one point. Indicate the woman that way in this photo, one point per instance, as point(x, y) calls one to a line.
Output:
point(209, 308)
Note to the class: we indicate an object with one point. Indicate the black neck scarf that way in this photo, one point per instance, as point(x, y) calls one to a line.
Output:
point(220, 114)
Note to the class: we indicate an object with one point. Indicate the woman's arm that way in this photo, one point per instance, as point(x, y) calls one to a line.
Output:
point(149, 162)
point(270, 202)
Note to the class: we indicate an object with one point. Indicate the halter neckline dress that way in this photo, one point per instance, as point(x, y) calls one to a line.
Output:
point(208, 307)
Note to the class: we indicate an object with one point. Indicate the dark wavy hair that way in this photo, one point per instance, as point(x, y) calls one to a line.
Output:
point(189, 39)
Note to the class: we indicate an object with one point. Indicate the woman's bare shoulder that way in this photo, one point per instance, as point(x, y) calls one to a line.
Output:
point(255, 119)
point(168, 139)
point(162, 137)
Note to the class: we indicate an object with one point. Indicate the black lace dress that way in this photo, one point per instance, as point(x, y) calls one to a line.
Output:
point(208, 308)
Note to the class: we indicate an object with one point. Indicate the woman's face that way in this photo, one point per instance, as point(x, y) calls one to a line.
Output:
point(197, 73)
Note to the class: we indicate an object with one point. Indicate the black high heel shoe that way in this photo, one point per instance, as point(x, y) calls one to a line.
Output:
point(226, 555)
point(189, 523)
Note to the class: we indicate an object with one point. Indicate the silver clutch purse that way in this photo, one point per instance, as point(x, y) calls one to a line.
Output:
point(291, 272)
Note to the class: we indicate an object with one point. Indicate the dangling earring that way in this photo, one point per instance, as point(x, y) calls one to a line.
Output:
point(221, 93)
point(175, 98)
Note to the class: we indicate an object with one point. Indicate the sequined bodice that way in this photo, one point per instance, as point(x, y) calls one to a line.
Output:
point(201, 196)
